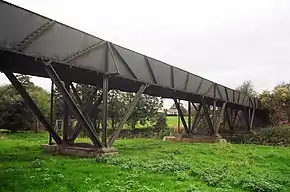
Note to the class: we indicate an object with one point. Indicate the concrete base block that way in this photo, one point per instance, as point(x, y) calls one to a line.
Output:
point(84, 150)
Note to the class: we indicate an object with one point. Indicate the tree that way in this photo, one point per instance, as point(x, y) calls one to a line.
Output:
point(25, 80)
point(247, 88)
point(161, 121)
point(146, 110)
point(277, 103)
point(14, 114)
point(116, 107)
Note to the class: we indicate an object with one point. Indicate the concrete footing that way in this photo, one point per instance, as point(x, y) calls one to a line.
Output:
point(79, 150)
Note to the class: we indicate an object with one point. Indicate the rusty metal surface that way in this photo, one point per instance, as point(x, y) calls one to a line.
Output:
point(80, 57)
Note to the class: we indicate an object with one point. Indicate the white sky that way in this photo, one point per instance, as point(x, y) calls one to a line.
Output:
point(226, 41)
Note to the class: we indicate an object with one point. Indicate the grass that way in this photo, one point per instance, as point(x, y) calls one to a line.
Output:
point(172, 121)
point(144, 165)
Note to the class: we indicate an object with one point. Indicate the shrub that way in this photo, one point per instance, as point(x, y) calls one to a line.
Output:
point(161, 122)
point(14, 116)
point(277, 136)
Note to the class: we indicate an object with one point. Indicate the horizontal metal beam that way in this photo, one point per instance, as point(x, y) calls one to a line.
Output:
point(133, 69)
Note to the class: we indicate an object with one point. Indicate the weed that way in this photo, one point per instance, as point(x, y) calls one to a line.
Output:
point(144, 165)
point(37, 163)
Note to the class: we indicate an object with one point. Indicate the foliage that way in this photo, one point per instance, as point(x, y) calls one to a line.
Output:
point(116, 109)
point(145, 110)
point(277, 103)
point(15, 115)
point(161, 122)
point(144, 165)
point(247, 88)
point(278, 136)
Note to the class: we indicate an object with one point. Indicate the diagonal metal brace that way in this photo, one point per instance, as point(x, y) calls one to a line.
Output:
point(85, 108)
point(33, 107)
point(88, 110)
point(252, 119)
point(198, 116)
point(127, 115)
point(33, 36)
point(181, 115)
point(207, 116)
point(221, 116)
point(83, 52)
point(69, 100)
point(124, 62)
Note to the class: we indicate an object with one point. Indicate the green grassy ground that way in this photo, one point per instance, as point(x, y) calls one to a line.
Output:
point(172, 121)
point(144, 165)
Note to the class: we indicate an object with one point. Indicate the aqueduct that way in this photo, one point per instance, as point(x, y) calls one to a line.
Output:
point(35, 45)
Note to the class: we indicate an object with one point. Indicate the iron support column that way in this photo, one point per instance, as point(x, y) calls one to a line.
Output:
point(214, 120)
point(105, 109)
point(51, 111)
point(65, 116)
point(189, 115)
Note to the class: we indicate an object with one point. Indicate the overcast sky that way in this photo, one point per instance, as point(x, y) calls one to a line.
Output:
point(225, 41)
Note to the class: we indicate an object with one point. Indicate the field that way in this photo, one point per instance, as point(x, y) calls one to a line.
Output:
point(144, 165)
point(172, 121)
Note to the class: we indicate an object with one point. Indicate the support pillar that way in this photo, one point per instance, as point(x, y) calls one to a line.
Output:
point(105, 110)
point(189, 115)
point(214, 120)
point(66, 116)
point(178, 119)
point(51, 111)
